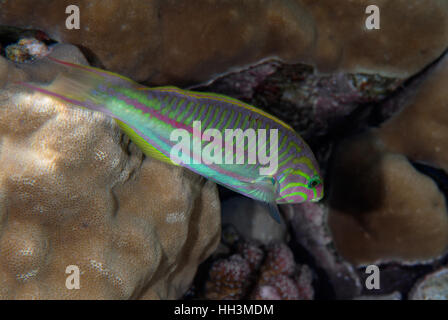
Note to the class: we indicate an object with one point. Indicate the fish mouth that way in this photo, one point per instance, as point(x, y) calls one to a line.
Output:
point(317, 199)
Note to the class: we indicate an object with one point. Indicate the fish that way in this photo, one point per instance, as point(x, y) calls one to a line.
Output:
point(150, 116)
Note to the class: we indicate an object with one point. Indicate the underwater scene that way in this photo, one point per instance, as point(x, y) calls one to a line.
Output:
point(223, 150)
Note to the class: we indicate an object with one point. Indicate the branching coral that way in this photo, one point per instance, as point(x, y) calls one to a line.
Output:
point(259, 274)
point(279, 273)
point(228, 278)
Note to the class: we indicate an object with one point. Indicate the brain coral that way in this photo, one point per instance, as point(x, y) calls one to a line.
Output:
point(74, 191)
point(179, 42)
point(383, 209)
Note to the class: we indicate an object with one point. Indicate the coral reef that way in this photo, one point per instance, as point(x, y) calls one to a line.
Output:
point(313, 104)
point(383, 208)
point(75, 191)
point(260, 273)
point(234, 34)
point(296, 92)
point(309, 223)
point(279, 261)
point(378, 210)
point(252, 253)
point(228, 278)
point(277, 275)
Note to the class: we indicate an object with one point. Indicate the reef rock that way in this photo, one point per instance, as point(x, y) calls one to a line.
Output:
point(41, 70)
point(309, 223)
point(178, 42)
point(312, 103)
point(433, 286)
point(75, 193)
point(420, 128)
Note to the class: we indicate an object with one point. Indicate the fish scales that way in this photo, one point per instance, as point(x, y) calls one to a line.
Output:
point(150, 115)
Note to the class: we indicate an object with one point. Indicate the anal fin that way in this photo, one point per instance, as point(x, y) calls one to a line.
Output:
point(146, 148)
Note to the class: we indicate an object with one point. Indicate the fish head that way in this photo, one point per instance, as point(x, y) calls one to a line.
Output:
point(299, 183)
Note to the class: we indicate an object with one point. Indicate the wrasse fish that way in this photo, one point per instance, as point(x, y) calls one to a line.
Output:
point(150, 115)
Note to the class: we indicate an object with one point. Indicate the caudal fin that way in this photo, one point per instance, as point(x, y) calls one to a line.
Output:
point(76, 88)
point(107, 76)
point(83, 86)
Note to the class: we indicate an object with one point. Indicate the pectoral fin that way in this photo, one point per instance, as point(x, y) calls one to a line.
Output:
point(264, 189)
point(274, 213)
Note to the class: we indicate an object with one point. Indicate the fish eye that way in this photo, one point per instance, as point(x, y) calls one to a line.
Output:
point(314, 182)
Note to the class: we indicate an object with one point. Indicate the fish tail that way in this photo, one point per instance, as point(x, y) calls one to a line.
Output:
point(88, 87)
point(75, 88)
point(83, 86)
point(110, 77)
point(55, 92)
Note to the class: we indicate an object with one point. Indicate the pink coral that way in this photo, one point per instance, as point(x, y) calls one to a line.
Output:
point(265, 292)
point(285, 286)
point(228, 278)
point(279, 261)
point(247, 275)
point(252, 253)
point(304, 283)
point(282, 287)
